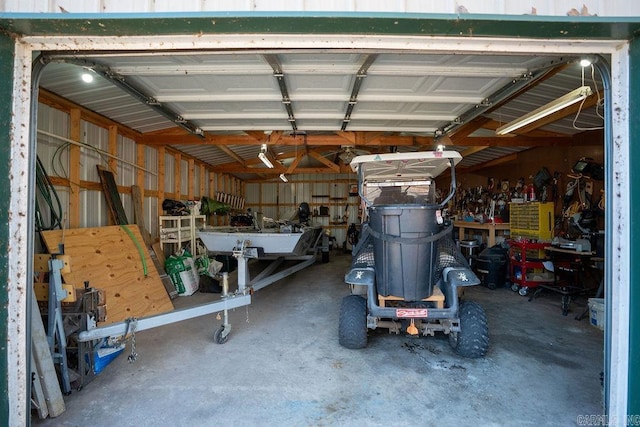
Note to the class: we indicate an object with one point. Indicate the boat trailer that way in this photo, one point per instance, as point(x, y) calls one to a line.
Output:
point(244, 252)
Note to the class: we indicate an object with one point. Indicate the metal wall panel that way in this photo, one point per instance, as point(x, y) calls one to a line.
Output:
point(184, 177)
point(205, 179)
point(55, 159)
point(151, 164)
point(196, 182)
point(496, 7)
point(169, 178)
point(93, 209)
point(96, 137)
point(269, 193)
point(151, 215)
point(126, 150)
point(252, 194)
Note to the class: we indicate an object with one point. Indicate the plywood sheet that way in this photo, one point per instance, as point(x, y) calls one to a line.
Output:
point(109, 259)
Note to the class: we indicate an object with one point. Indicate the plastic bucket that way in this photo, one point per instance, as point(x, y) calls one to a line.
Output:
point(596, 308)
point(405, 264)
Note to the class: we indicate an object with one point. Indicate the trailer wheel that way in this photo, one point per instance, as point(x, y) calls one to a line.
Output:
point(218, 337)
point(473, 339)
point(352, 329)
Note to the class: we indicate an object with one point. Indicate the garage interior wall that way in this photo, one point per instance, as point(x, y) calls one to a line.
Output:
point(79, 189)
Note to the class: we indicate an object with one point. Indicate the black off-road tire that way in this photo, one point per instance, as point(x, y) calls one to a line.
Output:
point(352, 329)
point(473, 339)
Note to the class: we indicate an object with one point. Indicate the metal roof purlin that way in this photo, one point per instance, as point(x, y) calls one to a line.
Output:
point(353, 99)
point(275, 64)
point(120, 82)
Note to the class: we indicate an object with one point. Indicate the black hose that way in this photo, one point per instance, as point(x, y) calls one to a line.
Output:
point(46, 193)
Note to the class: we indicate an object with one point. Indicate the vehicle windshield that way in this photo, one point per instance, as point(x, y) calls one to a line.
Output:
point(421, 192)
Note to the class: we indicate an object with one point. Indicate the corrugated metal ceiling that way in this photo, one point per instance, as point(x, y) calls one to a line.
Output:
point(315, 93)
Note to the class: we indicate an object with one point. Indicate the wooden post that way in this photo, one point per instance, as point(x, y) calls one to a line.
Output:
point(161, 174)
point(74, 171)
point(191, 173)
point(203, 174)
point(177, 175)
point(44, 366)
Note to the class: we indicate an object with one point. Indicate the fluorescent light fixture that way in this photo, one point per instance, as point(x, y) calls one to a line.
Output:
point(564, 101)
point(283, 178)
point(265, 160)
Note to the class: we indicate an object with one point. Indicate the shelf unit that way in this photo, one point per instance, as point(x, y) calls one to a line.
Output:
point(178, 230)
point(525, 263)
point(532, 220)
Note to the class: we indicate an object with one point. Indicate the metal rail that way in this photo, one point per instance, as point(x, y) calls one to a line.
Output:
point(117, 329)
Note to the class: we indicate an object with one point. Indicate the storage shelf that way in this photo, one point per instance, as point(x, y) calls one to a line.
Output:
point(177, 230)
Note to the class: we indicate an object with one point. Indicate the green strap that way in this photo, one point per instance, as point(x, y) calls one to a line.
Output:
point(140, 251)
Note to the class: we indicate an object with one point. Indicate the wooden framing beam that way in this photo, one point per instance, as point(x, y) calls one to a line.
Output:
point(74, 172)
point(324, 161)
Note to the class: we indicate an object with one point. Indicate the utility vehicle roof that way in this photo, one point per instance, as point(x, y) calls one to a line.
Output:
point(395, 166)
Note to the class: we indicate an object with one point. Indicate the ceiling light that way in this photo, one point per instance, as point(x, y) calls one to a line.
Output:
point(283, 178)
point(564, 101)
point(263, 156)
point(585, 62)
point(87, 77)
point(265, 160)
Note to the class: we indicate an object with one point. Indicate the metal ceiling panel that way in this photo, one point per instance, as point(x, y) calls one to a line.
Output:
point(222, 93)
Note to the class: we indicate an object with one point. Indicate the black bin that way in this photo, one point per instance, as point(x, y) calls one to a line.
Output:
point(491, 266)
point(405, 265)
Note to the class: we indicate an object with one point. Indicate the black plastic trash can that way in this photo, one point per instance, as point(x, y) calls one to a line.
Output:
point(491, 266)
point(405, 264)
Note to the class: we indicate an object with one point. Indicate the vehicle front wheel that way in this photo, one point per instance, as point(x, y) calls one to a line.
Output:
point(472, 340)
point(352, 329)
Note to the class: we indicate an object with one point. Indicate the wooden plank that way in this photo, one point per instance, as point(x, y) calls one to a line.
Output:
point(157, 254)
point(75, 133)
point(111, 195)
point(161, 177)
point(44, 363)
point(41, 263)
point(42, 291)
point(437, 297)
point(38, 399)
point(138, 212)
point(108, 258)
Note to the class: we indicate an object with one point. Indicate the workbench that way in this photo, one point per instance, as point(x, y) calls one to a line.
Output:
point(487, 229)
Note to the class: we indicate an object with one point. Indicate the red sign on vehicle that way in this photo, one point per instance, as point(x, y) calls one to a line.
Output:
point(411, 312)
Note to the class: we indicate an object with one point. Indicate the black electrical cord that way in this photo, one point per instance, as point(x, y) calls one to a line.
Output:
point(47, 194)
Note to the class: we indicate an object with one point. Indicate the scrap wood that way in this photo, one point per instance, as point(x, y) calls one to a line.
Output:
point(112, 196)
point(109, 259)
point(137, 196)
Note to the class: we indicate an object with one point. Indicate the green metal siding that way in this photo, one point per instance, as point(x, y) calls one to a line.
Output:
point(6, 93)
point(633, 407)
point(468, 25)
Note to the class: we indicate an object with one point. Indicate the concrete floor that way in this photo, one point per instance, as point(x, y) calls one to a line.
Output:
point(283, 365)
